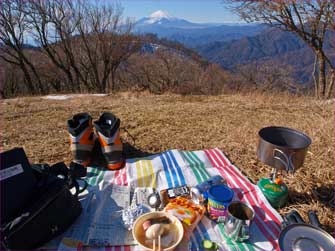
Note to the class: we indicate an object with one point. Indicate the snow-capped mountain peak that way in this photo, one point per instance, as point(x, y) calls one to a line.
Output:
point(161, 19)
point(158, 16)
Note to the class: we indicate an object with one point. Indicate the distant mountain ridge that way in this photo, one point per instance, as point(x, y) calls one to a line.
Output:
point(192, 34)
point(237, 44)
point(267, 44)
point(271, 45)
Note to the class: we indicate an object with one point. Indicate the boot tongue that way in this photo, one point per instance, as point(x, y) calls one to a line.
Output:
point(82, 120)
point(107, 125)
point(106, 128)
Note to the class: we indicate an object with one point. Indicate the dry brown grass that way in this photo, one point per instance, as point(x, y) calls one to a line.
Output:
point(158, 123)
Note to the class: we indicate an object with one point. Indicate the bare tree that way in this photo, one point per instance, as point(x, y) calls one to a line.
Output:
point(11, 80)
point(86, 40)
point(106, 41)
point(310, 20)
point(2, 80)
point(167, 70)
point(213, 79)
point(53, 27)
point(265, 76)
point(142, 71)
point(14, 26)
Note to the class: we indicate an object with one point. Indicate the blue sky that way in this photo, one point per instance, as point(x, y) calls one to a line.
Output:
point(200, 11)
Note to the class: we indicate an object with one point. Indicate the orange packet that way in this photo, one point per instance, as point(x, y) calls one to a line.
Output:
point(186, 211)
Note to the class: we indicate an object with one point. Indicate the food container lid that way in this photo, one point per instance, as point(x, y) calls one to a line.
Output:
point(302, 237)
point(220, 193)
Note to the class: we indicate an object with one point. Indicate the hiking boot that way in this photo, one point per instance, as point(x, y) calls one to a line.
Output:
point(108, 132)
point(82, 138)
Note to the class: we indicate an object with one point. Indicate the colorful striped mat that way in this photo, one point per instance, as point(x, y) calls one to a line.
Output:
point(176, 168)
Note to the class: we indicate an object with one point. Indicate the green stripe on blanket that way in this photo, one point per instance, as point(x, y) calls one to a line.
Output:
point(171, 167)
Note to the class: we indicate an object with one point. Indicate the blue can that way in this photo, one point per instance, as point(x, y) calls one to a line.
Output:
point(219, 197)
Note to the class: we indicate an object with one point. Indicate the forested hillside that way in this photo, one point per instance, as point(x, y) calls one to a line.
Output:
point(271, 46)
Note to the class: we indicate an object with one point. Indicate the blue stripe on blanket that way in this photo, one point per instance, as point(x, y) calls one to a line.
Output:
point(173, 171)
point(198, 237)
point(178, 168)
point(204, 230)
point(166, 170)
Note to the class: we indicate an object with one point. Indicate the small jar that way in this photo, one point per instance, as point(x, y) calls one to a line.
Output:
point(219, 197)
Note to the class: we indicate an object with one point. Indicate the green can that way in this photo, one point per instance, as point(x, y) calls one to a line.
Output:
point(275, 192)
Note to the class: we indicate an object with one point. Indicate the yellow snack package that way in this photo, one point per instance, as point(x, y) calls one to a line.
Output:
point(186, 211)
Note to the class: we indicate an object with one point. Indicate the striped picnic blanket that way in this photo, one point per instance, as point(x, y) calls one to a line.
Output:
point(175, 168)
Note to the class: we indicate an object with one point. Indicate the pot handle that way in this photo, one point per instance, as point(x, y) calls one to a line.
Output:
point(284, 159)
point(313, 219)
point(293, 217)
point(244, 232)
point(297, 216)
point(288, 220)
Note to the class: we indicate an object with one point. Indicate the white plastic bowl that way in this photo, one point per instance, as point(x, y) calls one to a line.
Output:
point(139, 222)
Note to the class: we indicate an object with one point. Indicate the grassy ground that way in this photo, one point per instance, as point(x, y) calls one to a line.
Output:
point(158, 123)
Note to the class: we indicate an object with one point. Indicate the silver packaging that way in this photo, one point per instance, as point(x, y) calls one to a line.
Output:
point(196, 196)
point(131, 213)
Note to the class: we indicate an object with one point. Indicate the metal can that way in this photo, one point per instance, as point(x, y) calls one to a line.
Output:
point(219, 197)
point(199, 193)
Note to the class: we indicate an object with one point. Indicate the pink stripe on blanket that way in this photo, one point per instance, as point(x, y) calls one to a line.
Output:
point(237, 181)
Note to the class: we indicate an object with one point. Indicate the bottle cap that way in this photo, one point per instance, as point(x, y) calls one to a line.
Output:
point(220, 193)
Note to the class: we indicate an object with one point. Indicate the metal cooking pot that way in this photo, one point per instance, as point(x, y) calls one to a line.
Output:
point(282, 147)
point(299, 236)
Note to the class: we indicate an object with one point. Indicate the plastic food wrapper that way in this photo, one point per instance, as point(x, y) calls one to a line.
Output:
point(188, 212)
point(130, 214)
point(170, 194)
point(141, 195)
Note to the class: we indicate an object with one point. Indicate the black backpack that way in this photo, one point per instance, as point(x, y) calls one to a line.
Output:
point(36, 202)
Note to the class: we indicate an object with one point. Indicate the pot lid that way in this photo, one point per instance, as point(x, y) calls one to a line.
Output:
point(302, 237)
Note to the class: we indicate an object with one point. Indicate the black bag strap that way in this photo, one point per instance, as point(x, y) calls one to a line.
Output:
point(76, 171)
